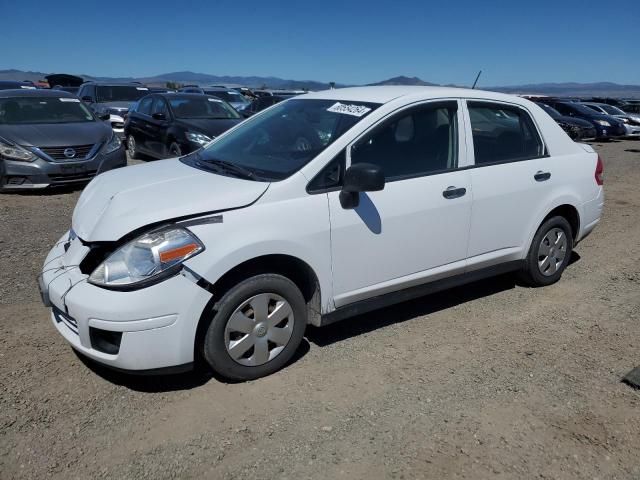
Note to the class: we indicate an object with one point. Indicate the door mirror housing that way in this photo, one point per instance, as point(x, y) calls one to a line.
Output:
point(104, 116)
point(158, 116)
point(360, 177)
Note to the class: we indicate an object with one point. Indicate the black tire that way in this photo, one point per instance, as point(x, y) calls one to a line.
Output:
point(132, 147)
point(175, 150)
point(532, 274)
point(214, 347)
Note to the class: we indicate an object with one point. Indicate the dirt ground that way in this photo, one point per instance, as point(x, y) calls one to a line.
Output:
point(491, 380)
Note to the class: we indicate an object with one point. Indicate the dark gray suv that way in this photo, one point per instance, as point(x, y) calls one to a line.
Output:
point(50, 138)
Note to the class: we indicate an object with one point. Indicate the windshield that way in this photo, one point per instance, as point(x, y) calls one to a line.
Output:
point(553, 113)
point(32, 110)
point(201, 107)
point(120, 93)
point(582, 109)
point(275, 144)
point(227, 96)
point(612, 110)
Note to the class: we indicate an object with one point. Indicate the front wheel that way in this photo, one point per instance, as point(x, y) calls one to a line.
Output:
point(132, 147)
point(549, 253)
point(256, 328)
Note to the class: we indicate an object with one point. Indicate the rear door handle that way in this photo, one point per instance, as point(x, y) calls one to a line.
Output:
point(541, 176)
point(454, 192)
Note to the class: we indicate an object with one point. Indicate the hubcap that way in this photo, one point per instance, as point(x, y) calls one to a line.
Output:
point(131, 143)
point(259, 329)
point(552, 251)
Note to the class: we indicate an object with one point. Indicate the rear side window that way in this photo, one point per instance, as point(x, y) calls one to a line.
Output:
point(503, 134)
point(144, 106)
point(419, 141)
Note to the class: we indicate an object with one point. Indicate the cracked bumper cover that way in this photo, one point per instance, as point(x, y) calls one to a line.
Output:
point(158, 323)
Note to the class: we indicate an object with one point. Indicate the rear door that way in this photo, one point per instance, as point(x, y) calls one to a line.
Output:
point(512, 178)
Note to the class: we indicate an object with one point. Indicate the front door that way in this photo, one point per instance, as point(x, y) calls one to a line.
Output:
point(416, 229)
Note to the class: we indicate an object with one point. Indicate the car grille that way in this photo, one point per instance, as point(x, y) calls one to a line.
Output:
point(72, 177)
point(57, 153)
point(69, 322)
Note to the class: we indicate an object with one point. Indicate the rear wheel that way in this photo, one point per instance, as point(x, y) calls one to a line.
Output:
point(256, 328)
point(549, 253)
point(132, 147)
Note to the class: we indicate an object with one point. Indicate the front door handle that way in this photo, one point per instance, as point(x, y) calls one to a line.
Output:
point(454, 192)
point(541, 176)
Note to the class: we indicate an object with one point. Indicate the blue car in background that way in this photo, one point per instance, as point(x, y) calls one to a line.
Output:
point(606, 126)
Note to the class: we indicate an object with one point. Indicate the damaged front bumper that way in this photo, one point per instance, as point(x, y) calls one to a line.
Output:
point(145, 329)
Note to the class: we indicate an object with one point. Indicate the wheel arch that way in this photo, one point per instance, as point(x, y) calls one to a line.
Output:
point(566, 209)
point(289, 266)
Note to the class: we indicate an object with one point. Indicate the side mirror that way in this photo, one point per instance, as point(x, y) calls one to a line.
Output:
point(87, 99)
point(158, 116)
point(360, 177)
point(104, 116)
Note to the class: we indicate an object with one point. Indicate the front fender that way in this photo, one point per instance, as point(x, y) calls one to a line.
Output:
point(268, 229)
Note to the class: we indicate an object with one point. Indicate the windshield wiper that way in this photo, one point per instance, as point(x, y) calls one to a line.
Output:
point(230, 167)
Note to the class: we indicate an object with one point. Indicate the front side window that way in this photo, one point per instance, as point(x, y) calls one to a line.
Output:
point(160, 106)
point(144, 106)
point(420, 141)
point(35, 110)
point(503, 133)
point(278, 143)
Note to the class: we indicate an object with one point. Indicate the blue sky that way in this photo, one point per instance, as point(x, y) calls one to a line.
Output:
point(513, 42)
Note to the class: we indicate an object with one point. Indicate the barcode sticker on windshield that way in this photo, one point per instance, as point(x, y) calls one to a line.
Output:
point(74, 100)
point(142, 88)
point(355, 110)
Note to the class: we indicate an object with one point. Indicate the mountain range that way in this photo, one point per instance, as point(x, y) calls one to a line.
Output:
point(186, 77)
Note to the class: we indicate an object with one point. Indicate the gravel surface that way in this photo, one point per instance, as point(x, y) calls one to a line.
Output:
point(492, 380)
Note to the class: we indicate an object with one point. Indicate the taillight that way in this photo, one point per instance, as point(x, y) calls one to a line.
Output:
point(599, 171)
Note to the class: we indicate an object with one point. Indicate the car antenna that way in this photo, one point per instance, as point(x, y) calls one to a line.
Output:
point(477, 77)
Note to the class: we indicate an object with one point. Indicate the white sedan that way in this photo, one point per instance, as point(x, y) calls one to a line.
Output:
point(316, 209)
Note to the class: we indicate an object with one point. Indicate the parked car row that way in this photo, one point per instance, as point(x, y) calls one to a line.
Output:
point(605, 121)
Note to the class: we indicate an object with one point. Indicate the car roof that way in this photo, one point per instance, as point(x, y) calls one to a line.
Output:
point(182, 95)
point(384, 94)
point(115, 84)
point(40, 92)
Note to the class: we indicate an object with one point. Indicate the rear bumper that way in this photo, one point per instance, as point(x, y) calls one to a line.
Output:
point(590, 215)
point(39, 174)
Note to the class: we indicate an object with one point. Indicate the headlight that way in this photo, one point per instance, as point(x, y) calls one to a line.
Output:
point(604, 123)
point(16, 153)
point(113, 144)
point(148, 257)
point(199, 138)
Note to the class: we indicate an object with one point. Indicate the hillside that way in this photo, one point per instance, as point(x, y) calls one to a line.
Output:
point(187, 77)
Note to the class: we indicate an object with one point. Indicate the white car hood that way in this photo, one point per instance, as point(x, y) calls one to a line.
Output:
point(120, 201)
